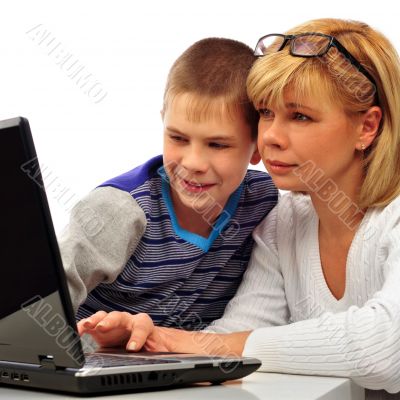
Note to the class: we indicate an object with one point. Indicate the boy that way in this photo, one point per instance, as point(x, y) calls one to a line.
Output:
point(173, 235)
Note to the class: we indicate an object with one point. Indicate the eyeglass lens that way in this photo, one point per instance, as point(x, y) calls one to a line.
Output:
point(310, 45)
point(304, 45)
point(269, 44)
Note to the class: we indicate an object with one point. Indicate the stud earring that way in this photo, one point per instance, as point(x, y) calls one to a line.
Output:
point(362, 146)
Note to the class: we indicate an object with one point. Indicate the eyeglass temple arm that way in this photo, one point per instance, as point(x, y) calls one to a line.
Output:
point(353, 61)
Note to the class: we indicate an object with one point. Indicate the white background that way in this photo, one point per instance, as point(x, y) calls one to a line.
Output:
point(127, 47)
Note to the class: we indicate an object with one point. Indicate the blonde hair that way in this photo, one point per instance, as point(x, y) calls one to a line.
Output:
point(333, 77)
point(214, 72)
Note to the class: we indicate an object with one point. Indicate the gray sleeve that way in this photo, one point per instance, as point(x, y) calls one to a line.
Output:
point(104, 229)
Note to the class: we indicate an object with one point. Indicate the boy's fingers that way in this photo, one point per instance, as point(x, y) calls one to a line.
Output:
point(142, 327)
point(113, 320)
point(87, 324)
point(81, 329)
point(93, 320)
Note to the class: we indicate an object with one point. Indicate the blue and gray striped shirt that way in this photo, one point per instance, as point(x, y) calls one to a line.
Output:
point(179, 278)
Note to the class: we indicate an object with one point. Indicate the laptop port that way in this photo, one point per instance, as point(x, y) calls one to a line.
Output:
point(15, 376)
point(5, 375)
point(25, 378)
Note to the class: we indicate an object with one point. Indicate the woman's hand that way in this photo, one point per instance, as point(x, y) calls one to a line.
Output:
point(121, 329)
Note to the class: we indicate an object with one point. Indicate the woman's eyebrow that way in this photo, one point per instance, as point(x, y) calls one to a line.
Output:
point(298, 105)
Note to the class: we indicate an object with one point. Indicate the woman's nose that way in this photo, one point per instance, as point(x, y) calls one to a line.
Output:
point(273, 134)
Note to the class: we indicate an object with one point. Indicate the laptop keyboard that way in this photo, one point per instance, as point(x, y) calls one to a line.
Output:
point(109, 360)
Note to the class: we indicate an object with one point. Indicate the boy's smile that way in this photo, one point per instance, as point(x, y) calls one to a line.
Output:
point(196, 187)
point(206, 159)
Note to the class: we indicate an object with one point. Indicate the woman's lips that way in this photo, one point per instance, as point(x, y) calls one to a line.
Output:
point(280, 167)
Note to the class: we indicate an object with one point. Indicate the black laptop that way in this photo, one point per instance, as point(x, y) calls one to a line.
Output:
point(39, 343)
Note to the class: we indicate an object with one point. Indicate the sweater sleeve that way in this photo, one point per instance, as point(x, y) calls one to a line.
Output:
point(104, 229)
point(362, 343)
point(260, 300)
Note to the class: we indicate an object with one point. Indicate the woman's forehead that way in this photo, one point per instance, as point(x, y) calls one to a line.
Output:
point(292, 98)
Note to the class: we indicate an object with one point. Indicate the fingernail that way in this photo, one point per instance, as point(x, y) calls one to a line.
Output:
point(102, 324)
point(132, 346)
point(87, 323)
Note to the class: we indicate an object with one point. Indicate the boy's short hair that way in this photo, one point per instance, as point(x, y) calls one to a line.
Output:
point(214, 70)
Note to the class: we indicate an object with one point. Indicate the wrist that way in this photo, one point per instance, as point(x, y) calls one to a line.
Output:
point(181, 341)
point(233, 343)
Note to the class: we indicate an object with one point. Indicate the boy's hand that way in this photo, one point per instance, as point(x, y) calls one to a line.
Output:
point(121, 329)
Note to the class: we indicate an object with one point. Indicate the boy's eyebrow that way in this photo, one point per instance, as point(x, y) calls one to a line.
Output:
point(172, 129)
point(221, 137)
point(227, 138)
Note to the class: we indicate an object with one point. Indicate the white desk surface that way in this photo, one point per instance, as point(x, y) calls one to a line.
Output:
point(254, 387)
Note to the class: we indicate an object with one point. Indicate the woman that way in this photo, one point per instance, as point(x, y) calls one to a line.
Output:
point(321, 295)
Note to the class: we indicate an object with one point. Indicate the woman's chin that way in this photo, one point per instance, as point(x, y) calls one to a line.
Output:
point(292, 185)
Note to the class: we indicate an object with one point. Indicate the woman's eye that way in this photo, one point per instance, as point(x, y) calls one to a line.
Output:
point(301, 117)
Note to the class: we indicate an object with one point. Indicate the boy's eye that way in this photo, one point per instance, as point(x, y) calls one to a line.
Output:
point(265, 113)
point(300, 117)
point(218, 145)
point(178, 138)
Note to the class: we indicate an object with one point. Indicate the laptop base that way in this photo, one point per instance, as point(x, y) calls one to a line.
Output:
point(66, 381)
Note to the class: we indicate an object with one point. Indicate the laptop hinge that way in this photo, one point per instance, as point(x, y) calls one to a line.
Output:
point(47, 362)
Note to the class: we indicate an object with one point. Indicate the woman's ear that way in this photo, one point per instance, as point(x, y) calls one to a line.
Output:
point(370, 126)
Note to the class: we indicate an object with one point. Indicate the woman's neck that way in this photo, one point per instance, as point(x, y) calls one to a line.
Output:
point(340, 215)
point(337, 205)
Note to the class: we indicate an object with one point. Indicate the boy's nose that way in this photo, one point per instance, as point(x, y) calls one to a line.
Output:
point(195, 161)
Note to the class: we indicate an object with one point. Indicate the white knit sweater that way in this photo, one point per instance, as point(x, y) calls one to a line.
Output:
point(301, 327)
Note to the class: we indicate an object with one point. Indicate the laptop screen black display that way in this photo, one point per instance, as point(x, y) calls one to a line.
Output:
point(25, 255)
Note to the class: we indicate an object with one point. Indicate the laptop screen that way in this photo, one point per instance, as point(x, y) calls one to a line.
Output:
point(34, 298)
point(23, 235)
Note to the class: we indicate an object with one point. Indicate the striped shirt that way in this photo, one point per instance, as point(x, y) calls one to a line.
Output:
point(178, 277)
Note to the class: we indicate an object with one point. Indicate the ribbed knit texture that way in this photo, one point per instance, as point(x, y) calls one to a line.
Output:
point(302, 327)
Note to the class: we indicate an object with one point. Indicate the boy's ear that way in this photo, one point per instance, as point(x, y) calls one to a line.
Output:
point(162, 113)
point(255, 158)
